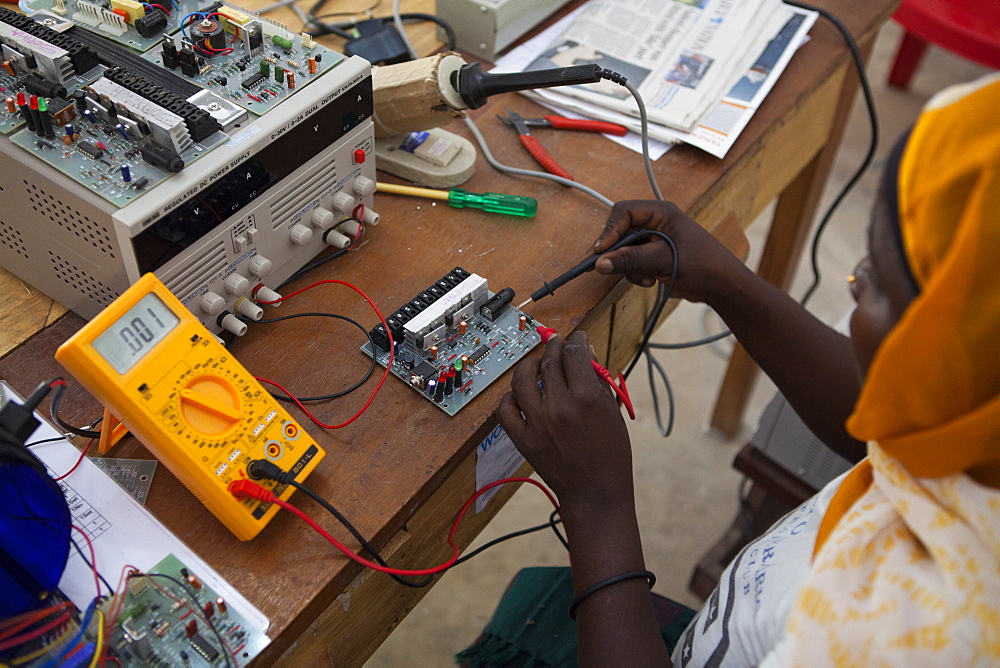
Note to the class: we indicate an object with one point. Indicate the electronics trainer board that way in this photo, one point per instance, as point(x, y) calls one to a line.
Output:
point(154, 629)
point(189, 138)
point(454, 338)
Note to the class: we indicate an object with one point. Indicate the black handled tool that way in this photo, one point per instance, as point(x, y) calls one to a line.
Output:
point(549, 287)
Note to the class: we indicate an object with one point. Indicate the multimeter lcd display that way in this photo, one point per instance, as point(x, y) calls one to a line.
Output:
point(130, 337)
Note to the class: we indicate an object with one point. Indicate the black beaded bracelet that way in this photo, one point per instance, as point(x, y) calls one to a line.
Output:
point(621, 577)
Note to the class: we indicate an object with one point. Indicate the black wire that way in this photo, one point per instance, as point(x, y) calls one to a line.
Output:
point(660, 303)
point(309, 267)
point(371, 369)
point(651, 363)
point(553, 521)
point(45, 440)
point(325, 28)
point(690, 344)
point(873, 117)
point(57, 392)
point(194, 604)
point(90, 565)
point(339, 29)
point(357, 535)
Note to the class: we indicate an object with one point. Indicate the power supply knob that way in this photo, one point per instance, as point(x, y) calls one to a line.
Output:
point(300, 234)
point(343, 202)
point(212, 303)
point(259, 266)
point(323, 218)
point(364, 186)
point(237, 284)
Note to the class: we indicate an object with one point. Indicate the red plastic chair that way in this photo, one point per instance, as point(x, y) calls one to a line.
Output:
point(969, 28)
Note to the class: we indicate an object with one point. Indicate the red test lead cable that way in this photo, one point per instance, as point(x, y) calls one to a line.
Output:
point(248, 489)
point(620, 390)
point(388, 366)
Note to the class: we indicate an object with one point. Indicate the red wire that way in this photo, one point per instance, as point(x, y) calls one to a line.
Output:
point(82, 455)
point(248, 488)
point(93, 560)
point(14, 624)
point(41, 630)
point(162, 8)
point(392, 356)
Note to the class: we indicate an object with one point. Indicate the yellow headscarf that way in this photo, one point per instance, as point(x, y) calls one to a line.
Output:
point(906, 565)
point(931, 398)
point(932, 395)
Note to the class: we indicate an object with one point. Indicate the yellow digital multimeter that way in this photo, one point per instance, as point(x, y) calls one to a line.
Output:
point(188, 400)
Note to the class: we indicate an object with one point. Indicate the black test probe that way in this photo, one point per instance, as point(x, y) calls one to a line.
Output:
point(549, 287)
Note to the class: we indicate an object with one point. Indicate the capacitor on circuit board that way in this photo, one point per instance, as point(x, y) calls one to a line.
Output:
point(290, 80)
point(208, 610)
point(9, 67)
point(432, 352)
point(522, 323)
point(211, 33)
point(220, 603)
point(123, 131)
point(312, 64)
point(462, 326)
point(126, 173)
point(194, 582)
point(11, 107)
point(191, 628)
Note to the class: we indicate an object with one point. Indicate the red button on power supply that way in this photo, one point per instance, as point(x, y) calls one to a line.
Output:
point(359, 156)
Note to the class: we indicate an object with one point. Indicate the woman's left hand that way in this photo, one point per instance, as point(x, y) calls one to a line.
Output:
point(569, 427)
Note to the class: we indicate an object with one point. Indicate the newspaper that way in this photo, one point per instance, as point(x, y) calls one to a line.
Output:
point(718, 129)
point(682, 55)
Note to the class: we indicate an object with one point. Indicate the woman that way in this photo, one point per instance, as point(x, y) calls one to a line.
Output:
point(897, 561)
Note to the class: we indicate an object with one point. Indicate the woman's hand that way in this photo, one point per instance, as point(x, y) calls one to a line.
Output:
point(704, 265)
point(570, 429)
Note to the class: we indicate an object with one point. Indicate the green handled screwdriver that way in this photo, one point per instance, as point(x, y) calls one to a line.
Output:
point(511, 205)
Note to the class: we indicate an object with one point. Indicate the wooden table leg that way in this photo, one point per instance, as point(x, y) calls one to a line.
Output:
point(786, 239)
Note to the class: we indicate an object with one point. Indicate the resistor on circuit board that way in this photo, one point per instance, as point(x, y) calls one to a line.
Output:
point(292, 63)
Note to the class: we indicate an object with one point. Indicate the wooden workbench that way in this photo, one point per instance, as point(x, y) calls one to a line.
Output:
point(402, 470)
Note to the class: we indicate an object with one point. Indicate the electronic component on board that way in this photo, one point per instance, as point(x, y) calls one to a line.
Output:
point(438, 351)
point(494, 307)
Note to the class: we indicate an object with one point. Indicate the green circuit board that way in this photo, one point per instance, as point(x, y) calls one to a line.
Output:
point(164, 624)
point(103, 174)
point(88, 15)
point(11, 85)
point(259, 80)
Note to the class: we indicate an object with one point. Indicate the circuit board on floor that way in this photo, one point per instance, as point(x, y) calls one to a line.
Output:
point(119, 95)
point(454, 338)
point(164, 624)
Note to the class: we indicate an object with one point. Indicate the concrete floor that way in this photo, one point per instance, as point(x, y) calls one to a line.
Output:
point(686, 488)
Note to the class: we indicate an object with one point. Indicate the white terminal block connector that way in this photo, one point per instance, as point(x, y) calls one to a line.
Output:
point(212, 303)
point(322, 218)
point(472, 291)
point(371, 217)
point(237, 284)
point(231, 323)
point(247, 308)
point(266, 294)
point(336, 239)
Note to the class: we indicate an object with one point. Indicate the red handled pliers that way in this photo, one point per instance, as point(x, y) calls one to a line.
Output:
point(536, 149)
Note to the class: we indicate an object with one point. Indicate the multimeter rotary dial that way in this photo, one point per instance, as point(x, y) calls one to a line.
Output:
point(210, 405)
